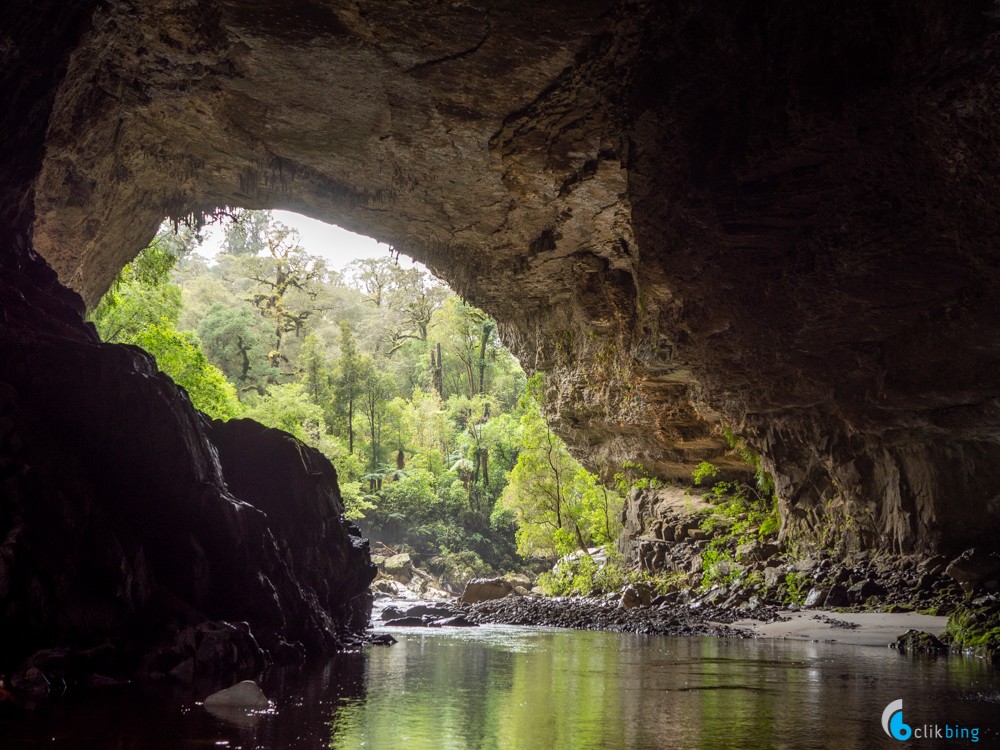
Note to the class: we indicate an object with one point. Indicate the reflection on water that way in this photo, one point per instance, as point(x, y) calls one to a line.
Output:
point(558, 689)
point(522, 688)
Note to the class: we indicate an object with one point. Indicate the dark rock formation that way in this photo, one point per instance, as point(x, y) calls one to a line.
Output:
point(779, 217)
point(116, 520)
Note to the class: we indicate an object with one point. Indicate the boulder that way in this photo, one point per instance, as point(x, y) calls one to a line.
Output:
point(246, 694)
point(399, 567)
point(485, 589)
point(816, 597)
point(916, 641)
point(406, 622)
point(973, 568)
point(773, 576)
point(458, 621)
point(417, 610)
point(861, 592)
point(837, 597)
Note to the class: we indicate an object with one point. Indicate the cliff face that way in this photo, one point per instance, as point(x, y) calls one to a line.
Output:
point(119, 523)
point(775, 217)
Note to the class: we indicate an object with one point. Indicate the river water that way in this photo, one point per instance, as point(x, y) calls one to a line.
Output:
point(522, 688)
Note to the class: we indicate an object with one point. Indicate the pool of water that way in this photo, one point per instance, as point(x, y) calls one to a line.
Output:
point(506, 687)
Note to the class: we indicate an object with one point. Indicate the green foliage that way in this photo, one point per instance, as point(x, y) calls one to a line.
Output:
point(140, 296)
point(142, 308)
point(405, 387)
point(704, 471)
point(796, 586)
point(288, 407)
point(559, 505)
point(976, 629)
point(634, 474)
point(718, 566)
point(179, 355)
point(570, 577)
point(581, 574)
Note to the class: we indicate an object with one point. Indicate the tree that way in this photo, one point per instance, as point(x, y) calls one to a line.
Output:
point(377, 390)
point(287, 407)
point(234, 341)
point(558, 505)
point(317, 376)
point(374, 276)
point(142, 308)
point(179, 355)
point(286, 281)
point(413, 298)
point(468, 337)
point(349, 379)
point(140, 295)
point(246, 232)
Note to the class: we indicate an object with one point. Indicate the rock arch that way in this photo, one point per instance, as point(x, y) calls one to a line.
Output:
point(779, 218)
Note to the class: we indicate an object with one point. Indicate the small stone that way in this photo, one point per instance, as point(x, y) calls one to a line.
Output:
point(246, 694)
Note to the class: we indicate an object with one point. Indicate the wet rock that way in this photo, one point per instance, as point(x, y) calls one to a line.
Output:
point(458, 621)
point(485, 589)
point(245, 694)
point(213, 650)
point(393, 612)
point(381, 639)
point(916, 642)
point(406, 622)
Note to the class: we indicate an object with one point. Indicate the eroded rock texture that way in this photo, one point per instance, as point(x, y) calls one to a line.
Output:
point(774, 216)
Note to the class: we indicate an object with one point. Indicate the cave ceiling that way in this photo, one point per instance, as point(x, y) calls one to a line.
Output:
point(777, 217)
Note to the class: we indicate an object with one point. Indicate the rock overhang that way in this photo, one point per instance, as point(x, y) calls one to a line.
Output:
point(774, 218)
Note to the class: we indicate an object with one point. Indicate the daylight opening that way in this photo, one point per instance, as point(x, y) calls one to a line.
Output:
point(439, 439)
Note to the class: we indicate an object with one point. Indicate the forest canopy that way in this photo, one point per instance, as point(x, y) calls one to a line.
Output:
point(438, 437)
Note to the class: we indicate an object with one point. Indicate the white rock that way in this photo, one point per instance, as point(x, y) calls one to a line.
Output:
point(244, 694)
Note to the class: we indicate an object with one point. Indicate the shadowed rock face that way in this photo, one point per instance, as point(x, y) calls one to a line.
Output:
point(775, 217)
point(124, 517)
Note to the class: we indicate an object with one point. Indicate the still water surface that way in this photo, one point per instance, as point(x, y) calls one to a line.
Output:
point(505, 687)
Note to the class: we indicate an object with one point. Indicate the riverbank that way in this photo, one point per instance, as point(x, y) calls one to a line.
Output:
point(582, 613)
point(851, 628)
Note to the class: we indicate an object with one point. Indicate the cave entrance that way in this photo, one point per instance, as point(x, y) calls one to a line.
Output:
point(443, 453)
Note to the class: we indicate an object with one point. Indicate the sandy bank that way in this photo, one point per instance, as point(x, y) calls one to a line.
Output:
point(854, 628)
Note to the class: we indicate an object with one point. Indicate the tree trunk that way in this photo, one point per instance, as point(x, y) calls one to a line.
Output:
point(437, 371)
point(350, 426)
